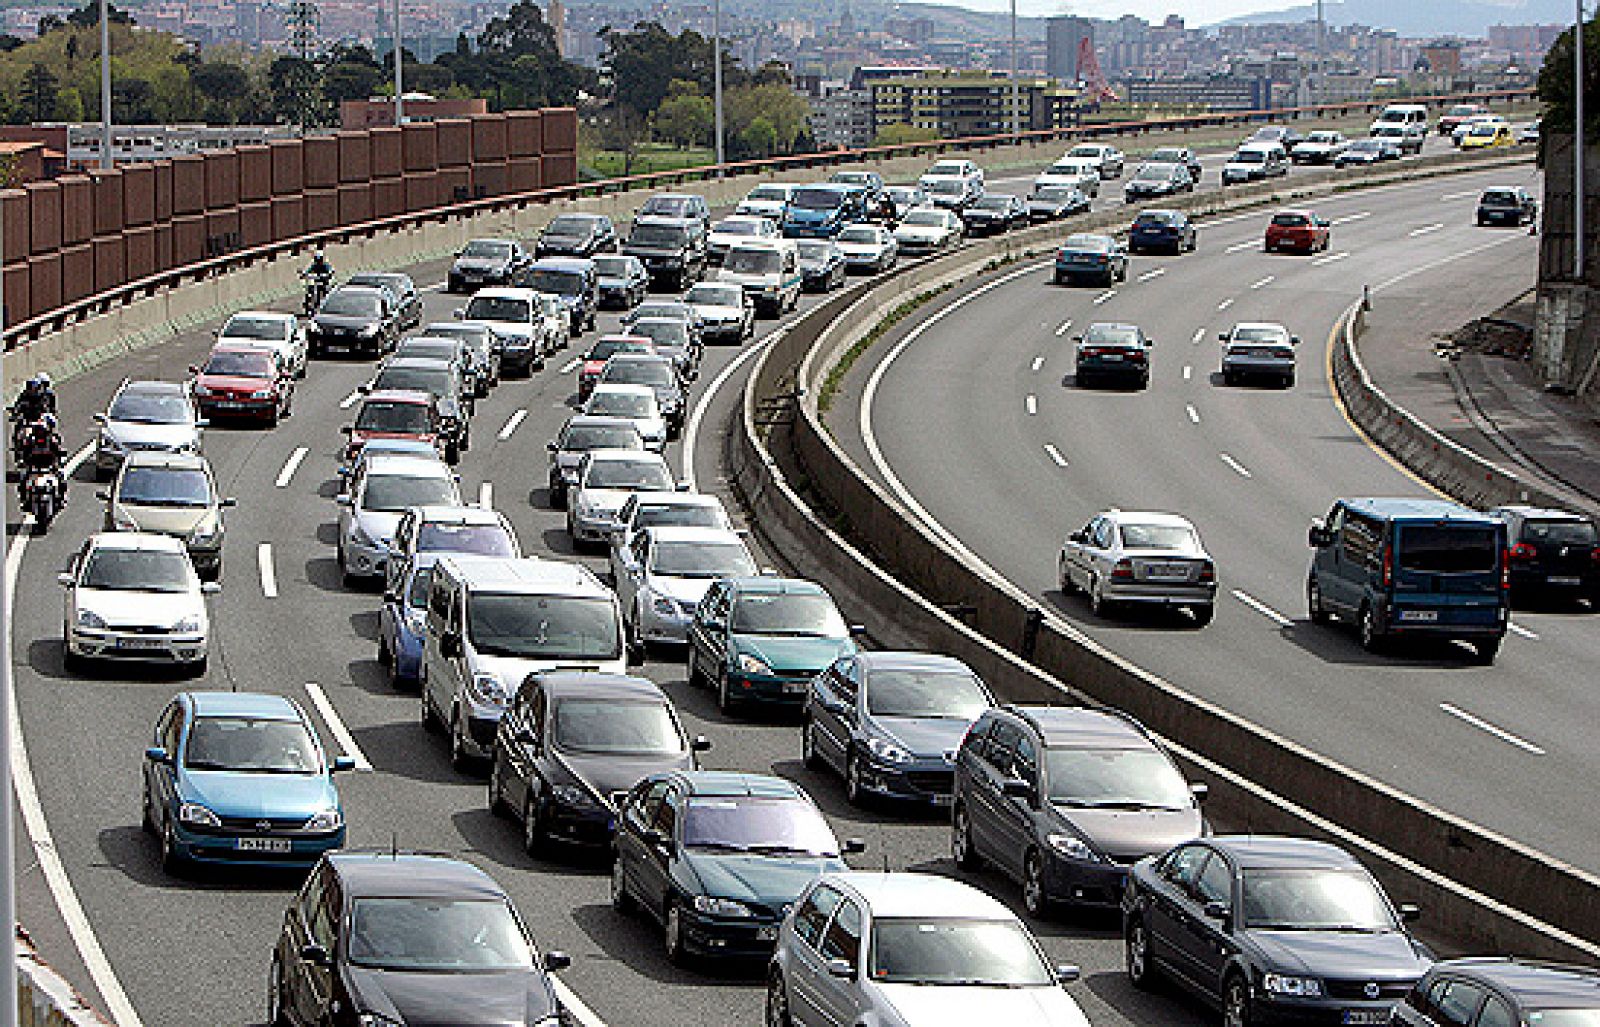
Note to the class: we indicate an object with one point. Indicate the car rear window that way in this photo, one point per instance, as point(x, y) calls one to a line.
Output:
point(1291, 220)
point(1559, 532)
point(1448, 550)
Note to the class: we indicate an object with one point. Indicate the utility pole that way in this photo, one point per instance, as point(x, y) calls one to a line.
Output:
point(106, 155)
point(1577, 150)
point(399, 76)
point(716, 74)
point(8, 850)
point(1016, 99)
point(1316, 83)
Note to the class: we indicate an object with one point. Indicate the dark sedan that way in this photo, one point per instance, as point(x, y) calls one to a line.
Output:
point(1168, 231)
point(487, 262)
point(623, 281)
point(354, 319)
point(821, 264)
point(994, 213)
point(1554, 553)
point(439, 379)
point(1158, 180)
point(1271, 930)
point(1051, 202)
point(577, 235)
point(407, 300)
point(380, 938)
point(1178, 155)
point(1095, 258)
point(1117, 351)
point(718, 858)
point(1507, 205)
point(1504, 991)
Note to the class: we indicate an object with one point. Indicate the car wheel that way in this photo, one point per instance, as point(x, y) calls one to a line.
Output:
point(621, 901)
point(696, 678)
point(1486, 650)
point(808, 746)
point(385, 654)
point(854, 792)
point(1136, 953)
point(533, 832)
point(460, 758)
point(1371, 633)
point(147, 817)
point(672, 936)
point(557, 495)
point(1229, 378)
point(1202, 614)
point(962, 849)
point(1236, 1010)
point(1099, 605)
point(1064, 577)
point(496, 789)
point(1288, 381)
point(1318, 612)
point(724, 697)
point(452, 452)
point(1033, 897)
point(778, 1003)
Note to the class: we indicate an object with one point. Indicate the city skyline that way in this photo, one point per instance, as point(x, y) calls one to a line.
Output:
point(1194, 12)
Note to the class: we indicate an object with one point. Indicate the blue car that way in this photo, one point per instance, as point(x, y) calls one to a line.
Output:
point(822, 211)
point(240, 778)
point(403, 621)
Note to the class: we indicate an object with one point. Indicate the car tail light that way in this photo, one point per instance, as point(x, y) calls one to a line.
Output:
point(1123, 571)
point(1505, 571)
point(1522, 551)
point(1594, 554)
point(1388, 565)
point(1208, 572)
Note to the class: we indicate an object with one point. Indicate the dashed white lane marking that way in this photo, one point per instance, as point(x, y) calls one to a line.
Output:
point(1236, 465)
point(1518, 629)
point(330, 717)
point(511, 424)
point(1357, 216)
point(573, 1004)
point(1483, 725)
point(269, 575)
point(1263, 283)
point(1038, 362)
point(1425, 229)
point(435, 287)
point(1156, 273)
point(1194, 415)
point(1251, 244)
point(1199, 333)
point(1331, 258)
point(1188, 372)
point(38, 826)
point(1460, 195)
point(570, 366)
point(350, 400)
point(290, 466)
point(1225, 304)
point(1262, 608)
point(1104, 296)
point(1063, 327)
point(1032, 403)
point(486, 495)
point(1055, 454)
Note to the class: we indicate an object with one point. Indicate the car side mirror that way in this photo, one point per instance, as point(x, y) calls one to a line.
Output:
point(1294, 340)
point(364, 388)
point(347, 429)
point(685, 486)
point(193, 369)
point(315, 955)
point(557, 960)
point(99, 418)
point(228, 502)
point(450, 645)
point(552, 446)
point(700, 744)
point(1215, 910)
point(1078, 537)
point(210, 588)
point(655, 839)
point(1409, 912)
point(459, 313)
point(157, 754)
point(1066, 973)
point(853, 847)
point(103, 495)
point(64, 579)
point(524, 736)
point(1016, 788)
point(343, 500)
point(1200, 790)
point(1318, 536)
point(841, 968)
point(341, 764)
point(1222, 336)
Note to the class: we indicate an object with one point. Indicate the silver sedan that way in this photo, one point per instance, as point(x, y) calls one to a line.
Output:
point(868, 248)
point(1127, 558)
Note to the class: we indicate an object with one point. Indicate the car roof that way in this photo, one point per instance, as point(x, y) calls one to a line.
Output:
point(382, 276)
point(1147, 517)
point(888, 659)
point(1280, 851)
point(155, 386)
point(624, 389)
point(1418, 510)
point(776, 586)
point(506, 292)
point(1083, 727)
point(458, 514)
point(240, 346)
point(168, 460)
point(137, 540)
point(271, 315)
point(528, 574)
point(632, 357)
point(416, 396)
point(565, 684)
point(921, 896)
point(1535, 983)
point(407, 464)
point(417, 363)
point(359, 289)
point(573, 264)
point(260, 705)
point(411, 875)
point(733, 783)
point(600, 421)
point(742, 219)
point(1541, 513)
point(703, 536)
point(579, 215)
point(664, 220)
point(676, 499)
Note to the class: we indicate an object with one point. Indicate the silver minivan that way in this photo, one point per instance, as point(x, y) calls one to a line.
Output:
point(491, 622)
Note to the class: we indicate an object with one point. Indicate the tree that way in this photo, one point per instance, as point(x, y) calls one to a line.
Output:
point(898, 134)
point(685, 118)
point(88, 16)
point(522, 31)
point(350, 80)
point(760, 137)
point(38, 95)
point(1555, 81)
point(295, 96)
point(785, 111)
point(69, 104)
point(223, 88)
point(643, 64)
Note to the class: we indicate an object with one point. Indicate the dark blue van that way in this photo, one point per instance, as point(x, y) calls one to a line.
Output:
point(1410, 567)
point(822, 211)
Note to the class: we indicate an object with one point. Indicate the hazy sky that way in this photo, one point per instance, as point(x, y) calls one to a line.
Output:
point(1195, 12)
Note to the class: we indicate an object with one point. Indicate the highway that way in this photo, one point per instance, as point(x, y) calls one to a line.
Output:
point(1028, 457)
point(179, 952)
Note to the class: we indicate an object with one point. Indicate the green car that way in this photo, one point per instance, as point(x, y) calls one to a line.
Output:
point(762, 640)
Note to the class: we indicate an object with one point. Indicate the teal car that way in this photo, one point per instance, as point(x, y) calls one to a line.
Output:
point(762, 640)
point(240, 778)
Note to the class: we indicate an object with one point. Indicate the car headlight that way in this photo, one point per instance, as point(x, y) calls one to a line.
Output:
point(416, 621)
point(572, 795)
point(187, 626)
point(359, 536)
point(489, 688)
point(206, 531)
point(720, 907)
point(1300, 987)
point(1073, 847)
point(201, 390)
point(751, 664)
point(887, 751)
point(327, 820)
point(371, 329)
point(261, 394)
point(90, 619)
point(194, 813)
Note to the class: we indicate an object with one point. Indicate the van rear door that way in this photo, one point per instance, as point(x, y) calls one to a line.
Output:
point(1448, 575)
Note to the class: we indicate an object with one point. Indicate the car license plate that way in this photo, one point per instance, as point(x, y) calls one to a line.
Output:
point(1420, 616)
point(1562, 579)
point(794, 687)
point(141, 643)
point(264, 845)
point(767, 932)
point(1112, 358)
point(944, 800)
point(1166, 570)
point(1366, 1016)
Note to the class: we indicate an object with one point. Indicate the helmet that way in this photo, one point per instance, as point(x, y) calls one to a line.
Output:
point(318, 254)
point(44, 379)
point(32, 385)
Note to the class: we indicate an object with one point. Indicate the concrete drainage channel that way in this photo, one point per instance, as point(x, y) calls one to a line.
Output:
point(1484, 892)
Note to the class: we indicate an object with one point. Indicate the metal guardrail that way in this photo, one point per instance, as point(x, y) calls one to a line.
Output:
point(79, 310)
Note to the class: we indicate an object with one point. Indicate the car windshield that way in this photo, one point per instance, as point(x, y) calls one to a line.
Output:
point(1564, 1018)
point(672, 310)
point(948, 167)
point(164, 486)
point(701, 560)
point(487, 250)
point(498, 308)
point(1154, 219)
point(150, 408)
point(859, 233)
point(657, 235)
point(640, 372)
point(815, 250)
point(1054, 193)
point(256, 328)
point(1165, 156)
point(680, 515)
point(544, 627)
point(1173, 537)
point(1366, 145)
point(562, 283)
point(994, 201)
point(1111, 335)
point(251, 744)
point(436, 381)
point(1155, 172)
point(392, 493)
point(947, 951)
point(943, 694)
point(570, 224)
point(1323, 137)
point(780, 827)
point(666, 333)
point(634, 475)
point(801, 614)
point(480, 539)
point(749, 260)
point(736, 226)
point(1485, 129)
point(1085, 151)
point(353, 304)
point(902, 193)
point(603, 349)
point(1115, 779)
point(1291, 220)
point(817, 199)
point(946, 186)
point(428, 934)
point(1089, 243)
point(768, 192)
point(668, 206)
point(417, 592)
point(1579, 533)
point(611, 267)
point(622, 404)
point(240, 364)
point(1249, 157)
point(1456, 550)
point(136, 570)
point(712, 294)
point(852, 177)
point(924, 219)
point(399, 418)
point(617, 728)
point(581, 438)
point(1315, 899)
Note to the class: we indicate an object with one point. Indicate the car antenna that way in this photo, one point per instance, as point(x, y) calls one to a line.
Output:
point(394, 846)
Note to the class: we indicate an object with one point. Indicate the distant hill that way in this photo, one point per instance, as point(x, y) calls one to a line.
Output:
point(1425, 17)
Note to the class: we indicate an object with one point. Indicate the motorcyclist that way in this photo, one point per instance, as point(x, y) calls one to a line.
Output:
point(40, 449)
point(319, 277)
point(886, 209)
point(35, 401)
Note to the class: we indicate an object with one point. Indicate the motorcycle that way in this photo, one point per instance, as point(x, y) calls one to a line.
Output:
point(42, 493)
point(316, 292)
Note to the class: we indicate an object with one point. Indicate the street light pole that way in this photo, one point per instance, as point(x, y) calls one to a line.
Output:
point(716, 73)
point(107, 161)
point(399, 72)
point(1016, 101)
point(1577, 150)
point(8, 852)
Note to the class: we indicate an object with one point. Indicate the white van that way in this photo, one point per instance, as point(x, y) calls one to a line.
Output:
point(769, 272)
point(493, 621)
point(1403, 115)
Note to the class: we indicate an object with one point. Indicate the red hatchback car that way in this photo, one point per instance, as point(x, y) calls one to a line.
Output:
point(1298, 230)
point(243, 381)
point(393, 414)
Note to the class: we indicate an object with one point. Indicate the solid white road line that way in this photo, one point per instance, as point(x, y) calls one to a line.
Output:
point(691, 431)
point(1236, 465)
point(1331, 258)
point(1252, 244)
point(1055, 454)
point(1262, 608)
point(1032, 403)
point(290, 466)
point(1063, 327)
point(1199, 333)
point(486, 495)
point(1225, 304)
point(38, 826)
point(511, 424)
point(1104, 296)
point(1483, 725)
point(1263, 283)
point(269, 576)
point(330, 717)
point(573, 1004)
point(1460, 195)
point(1425, 229)
point(1518, 629)
point(1156, 273)
point(1188, 372)
point(350, 400)
point(1357, 216)
point(1194, 415)
point(570, 366)
point(1038, 362)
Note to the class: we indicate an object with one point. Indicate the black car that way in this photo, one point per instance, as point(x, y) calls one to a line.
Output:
point(1500, 991)
point(1271, 930)
point(487, 262)
point(1178, 155)
point(579, 435)
point(354, 319)
point(890, 723)
point(1052, 202)
point(1507, 205)
point(570, 747)
point(821, 265)
point(1553, 553)
point(577, 235)
point(658, 373)
point(623, 281)
point(718, 858)
point(1064, 799)
point(441, 380)
point(377, 938)
point(993, 213)
point(452, 351)
point(1168, 231)
point(407, 300)
point(1114, 351)
point(1158, 180)
point(673, 250)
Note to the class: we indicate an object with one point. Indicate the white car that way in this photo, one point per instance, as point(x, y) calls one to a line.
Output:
point(868, 248)
point(669, 510)
point(521, 323)
point(1320, 147)
point(738, 228)
point(606, 477)
point(767, 201)
point(381, 490)
point(638, 404)
point(724, 310)
point(267, 329)
point(928, 230)
point(1081, 173)
point(1107, 158)
point(912, 950)
point(1124, 557)
point(134, 596)
point(662, 573)
point(954, 168)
